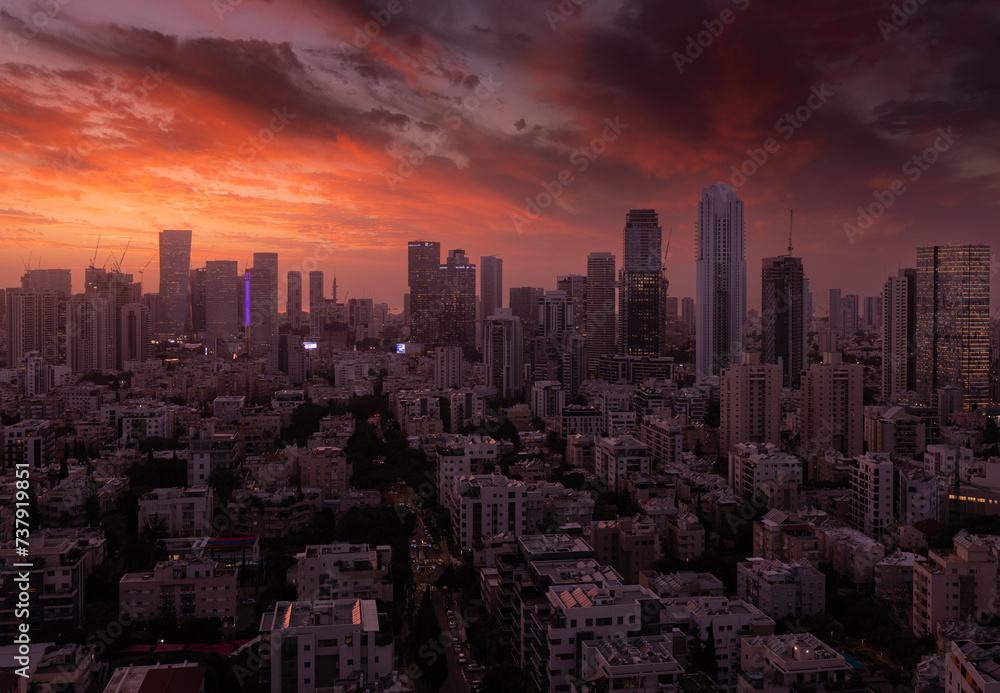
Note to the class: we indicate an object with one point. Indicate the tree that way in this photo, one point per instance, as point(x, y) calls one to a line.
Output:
point(222, 482)
point(427, 645)
point(703, 653)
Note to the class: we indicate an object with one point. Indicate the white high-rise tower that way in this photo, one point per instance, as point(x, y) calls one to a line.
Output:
point(721, 300)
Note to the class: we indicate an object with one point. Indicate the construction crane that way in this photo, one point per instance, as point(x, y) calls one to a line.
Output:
point(144, 268)
point(791, 217)
point(663, 266)
point(118, 265)
point(96, 248)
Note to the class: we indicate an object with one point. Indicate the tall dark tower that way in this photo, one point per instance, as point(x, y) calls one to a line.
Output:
point(175, 268)
point(953, 320)
point(457, 298)
point(783, 311)
point(600, 308)
point(424, 260)
point(640, 300)
point(263, 302)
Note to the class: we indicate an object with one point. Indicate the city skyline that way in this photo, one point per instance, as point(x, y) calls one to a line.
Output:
point(496, 346)
point(242, 170)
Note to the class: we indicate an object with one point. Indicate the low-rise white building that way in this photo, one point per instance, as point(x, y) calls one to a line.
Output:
point(781, 590)
point(188, 589)
point(547, 398)
point(639, 664)
point(485, 505)
point(779, 662)
point(463, 456)
point(319, 645)
point(919, 496)
point(972, 667)
point(185, 512)
point(664, 438)
point(341, 570)
point(754, 466)
point(618, 458)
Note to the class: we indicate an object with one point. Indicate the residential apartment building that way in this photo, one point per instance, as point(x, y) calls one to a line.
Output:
point(463, 456)
point(310, 646)
point(750, 396)
point(62, 560)
point(685, 536)
point(184, 512)
point(211, 449)
point(664, 439)
point(342, 570)
point(872, 491)
point(972, 667)
point(777, 536)
point(953, 584)
point(616, 459)
point(781, 662)
point(781, 590)
point(486, 505)
point(627, 544)
point(186, 589)
point(755, 467)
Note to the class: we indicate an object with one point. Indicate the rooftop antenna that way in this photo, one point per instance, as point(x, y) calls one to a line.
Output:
point(791, 217)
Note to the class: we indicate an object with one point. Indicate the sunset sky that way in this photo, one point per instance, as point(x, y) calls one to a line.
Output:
point(281, 126)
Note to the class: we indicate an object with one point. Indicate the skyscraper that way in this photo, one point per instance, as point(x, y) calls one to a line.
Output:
point(457, 298)
point(195, 323)
point(640, 298)
point(575, 286)
point(873, 313)
point(600, 308)
point(555, 328)
point(574, 364)
point(175, 265)
point(721, 280)
point(89, 327)
point(835, 311)
point(953, 316)
point(848, 316)
point(32, 325)
point(782, 315)
point(524, 304)
point(688, 314)
point(899, 324)
point(502, 352)
point(293, 302)
point(262, 300)
point(423, 263)
point(58, 280)
point(136, 333)
point(490, 289)
point(316, 299)
point(555, 316)
point(222, 313)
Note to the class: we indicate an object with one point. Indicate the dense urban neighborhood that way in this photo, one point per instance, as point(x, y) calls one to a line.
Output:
point(564, 495)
